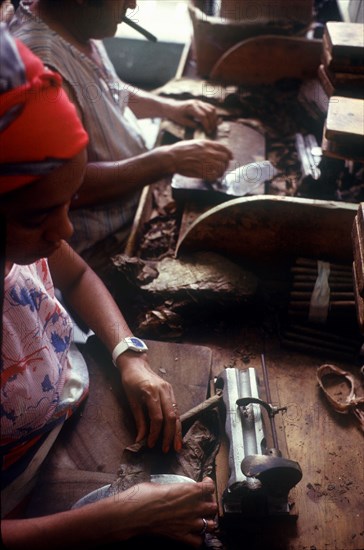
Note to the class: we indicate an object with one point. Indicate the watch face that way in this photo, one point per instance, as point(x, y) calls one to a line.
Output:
point(137, 343)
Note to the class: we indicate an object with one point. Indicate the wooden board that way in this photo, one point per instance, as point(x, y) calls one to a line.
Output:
point(349, 85)
point(345, 121)
point(358, 250)
point(213, 36)
point(340, 149)
point(359, 300)
point(341, 79)
point(88, 453)
point(268, 59)
point(341, 63)
point(281, 11)
point(267, 229)
point(345, 39)
point(327, 445)
point(329, 448)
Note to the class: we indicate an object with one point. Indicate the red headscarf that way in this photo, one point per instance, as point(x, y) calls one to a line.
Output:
point(39, 126)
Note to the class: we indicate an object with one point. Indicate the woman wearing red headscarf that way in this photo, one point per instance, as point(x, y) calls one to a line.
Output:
point(42, 162)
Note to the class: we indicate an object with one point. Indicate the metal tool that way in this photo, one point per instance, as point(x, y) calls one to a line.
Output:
point(260, 478)
point(310, 156)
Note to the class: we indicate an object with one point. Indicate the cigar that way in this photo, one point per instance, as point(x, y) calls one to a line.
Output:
point(297, 304)
point(302, 295)
point(140, 29)
point(313, 263)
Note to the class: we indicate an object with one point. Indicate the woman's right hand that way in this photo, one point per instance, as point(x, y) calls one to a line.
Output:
point(200, 158)
point(174, 511)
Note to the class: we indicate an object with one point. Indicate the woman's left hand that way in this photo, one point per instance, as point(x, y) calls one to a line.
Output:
point(193, 113)
point(152, 402)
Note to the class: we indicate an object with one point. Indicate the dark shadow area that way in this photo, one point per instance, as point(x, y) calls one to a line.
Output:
point(144, 64)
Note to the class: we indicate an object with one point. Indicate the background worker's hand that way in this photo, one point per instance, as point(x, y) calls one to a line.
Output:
point(152, 402)
point(203, 158)
point(6, 11)
point(193, 113)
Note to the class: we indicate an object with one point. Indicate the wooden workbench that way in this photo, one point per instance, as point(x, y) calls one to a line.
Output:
point(328, 446)
point(89, 451)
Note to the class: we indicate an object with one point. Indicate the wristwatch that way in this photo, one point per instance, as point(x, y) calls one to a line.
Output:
point(130, 343)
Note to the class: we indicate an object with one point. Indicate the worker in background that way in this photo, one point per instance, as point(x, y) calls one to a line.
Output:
point(67, 35)
point(6, 10)
point(43, 378)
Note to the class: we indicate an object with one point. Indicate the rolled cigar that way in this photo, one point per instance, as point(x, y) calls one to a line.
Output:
point(305, 347)
point(140, 29)
point(318, 341)
point(334, 285)
point(296, 304)
point(323, 334)
point(334, 296)
point(313, 263)
point(308, 271)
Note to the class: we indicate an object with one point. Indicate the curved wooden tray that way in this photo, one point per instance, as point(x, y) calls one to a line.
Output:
point(267, 59)
point(264, 228)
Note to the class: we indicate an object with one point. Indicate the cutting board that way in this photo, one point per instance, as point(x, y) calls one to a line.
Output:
point(88, 452)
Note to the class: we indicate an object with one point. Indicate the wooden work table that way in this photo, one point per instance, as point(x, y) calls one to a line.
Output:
point(328, 446)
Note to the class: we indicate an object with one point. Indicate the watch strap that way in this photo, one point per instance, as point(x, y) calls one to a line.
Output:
point(129, 343)
point(119, 349)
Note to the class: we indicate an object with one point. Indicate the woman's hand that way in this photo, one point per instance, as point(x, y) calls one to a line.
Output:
point(152, 402)
point(205, 159)
point(193, 113)
point(175, 511)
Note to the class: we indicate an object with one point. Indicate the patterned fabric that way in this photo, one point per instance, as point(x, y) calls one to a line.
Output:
point(103, 100)
point(29, 92)
point(40, 388)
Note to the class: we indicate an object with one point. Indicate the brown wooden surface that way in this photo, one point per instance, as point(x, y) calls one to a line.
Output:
point(358, 265)
point(359, 301)
point(267, 229)
point(345, 39)
point(358, 248)
point(341, 150)
point(328, 446)
point(345, 120)
point(297, 10)
point(89, 450)
point(267, 59)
